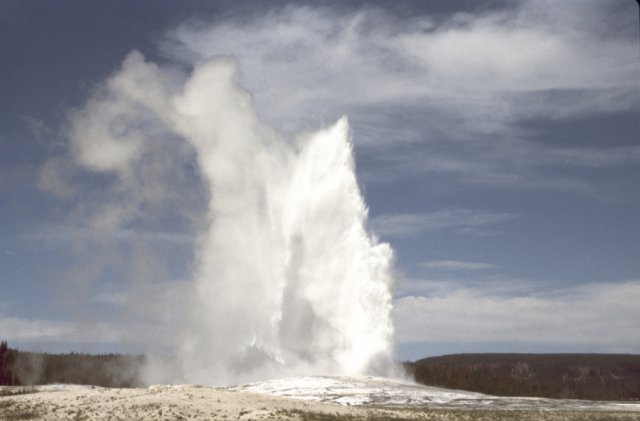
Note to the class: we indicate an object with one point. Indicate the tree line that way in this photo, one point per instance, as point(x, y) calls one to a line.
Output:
point(613, 377)
point(22, 368)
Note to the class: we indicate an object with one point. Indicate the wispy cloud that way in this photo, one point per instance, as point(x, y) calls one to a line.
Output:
point(444, 283)
point(603, 314)
point(455, 265)
point(71, 234)
point(414, 224)
point(507, 161)
point(38, 127)
point(369, 56)
point(16, 329)
point(111, 297)
point(457, 86)
point(33, 330)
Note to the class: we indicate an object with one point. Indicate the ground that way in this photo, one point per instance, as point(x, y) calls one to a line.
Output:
point(191, 402)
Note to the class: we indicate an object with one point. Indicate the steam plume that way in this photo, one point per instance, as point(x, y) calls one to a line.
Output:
point(287, 278)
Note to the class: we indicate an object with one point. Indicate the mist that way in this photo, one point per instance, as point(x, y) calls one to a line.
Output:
point(286, 277)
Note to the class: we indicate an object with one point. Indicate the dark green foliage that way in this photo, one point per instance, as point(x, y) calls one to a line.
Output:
point(569, 376)
point(7, 358)
point(32, 368)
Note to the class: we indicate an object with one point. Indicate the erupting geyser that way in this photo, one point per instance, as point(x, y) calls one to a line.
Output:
point(287, 280)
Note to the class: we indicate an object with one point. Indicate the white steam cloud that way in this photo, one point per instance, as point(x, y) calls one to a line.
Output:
point(287, 278)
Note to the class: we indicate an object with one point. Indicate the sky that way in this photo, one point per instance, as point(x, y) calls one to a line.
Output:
point(497, 145)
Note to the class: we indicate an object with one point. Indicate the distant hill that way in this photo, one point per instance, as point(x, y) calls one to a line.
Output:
point(613, 377)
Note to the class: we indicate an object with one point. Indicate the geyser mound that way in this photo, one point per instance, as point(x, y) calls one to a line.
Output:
point(287, 279)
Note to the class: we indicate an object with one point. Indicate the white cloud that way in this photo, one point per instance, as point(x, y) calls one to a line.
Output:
point(506, 161)
point(64, 235)
point(17, 329)
point(477, 66)
point(139, 333)
point(595, 158)
point(458, 86)
point(446, 283)
point(181, 238)
point(149, 313)
point(603, 315)
point(36, 330)
point(110, 297)
point(599, 314)
point(457, 265)
point(415, 224)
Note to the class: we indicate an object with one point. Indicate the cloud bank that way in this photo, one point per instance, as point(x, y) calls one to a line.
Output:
point(602, 315)
point(448, 95)
point(458, 220)
point(504, 59)
point(457, 265)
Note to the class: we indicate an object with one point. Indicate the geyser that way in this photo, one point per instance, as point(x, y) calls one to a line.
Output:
point(287, 280)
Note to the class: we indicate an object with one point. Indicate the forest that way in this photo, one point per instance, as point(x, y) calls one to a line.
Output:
point(614, 377)
point(21, 368)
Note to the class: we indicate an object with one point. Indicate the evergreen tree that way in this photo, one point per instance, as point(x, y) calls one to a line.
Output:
point(6, 364)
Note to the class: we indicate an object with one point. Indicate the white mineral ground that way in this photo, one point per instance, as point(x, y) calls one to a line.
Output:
point(295, 398)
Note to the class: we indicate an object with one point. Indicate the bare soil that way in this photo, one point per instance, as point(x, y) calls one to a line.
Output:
point(191, 402)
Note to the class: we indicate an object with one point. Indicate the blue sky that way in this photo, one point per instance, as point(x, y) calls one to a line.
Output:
point(497, 146)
